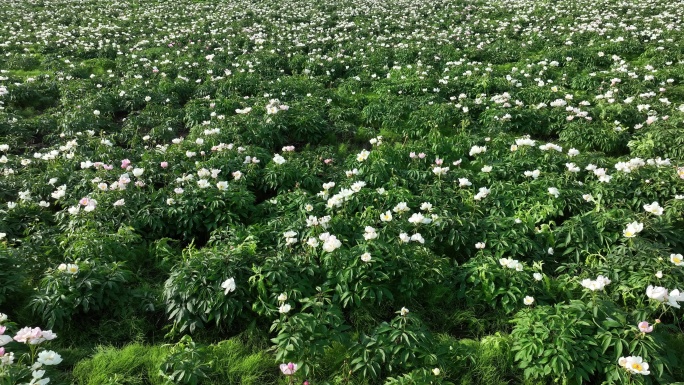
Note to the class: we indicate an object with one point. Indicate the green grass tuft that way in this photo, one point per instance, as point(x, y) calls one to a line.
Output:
point(132, 364)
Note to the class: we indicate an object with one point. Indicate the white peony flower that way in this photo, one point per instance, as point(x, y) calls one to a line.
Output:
point(229, 285)
point(634, 364)
point(418, 218)
point(363, 155)
point(417, 238)
point(48, 357)
point(654, 208)
point(426, 206)
point(370, 233)
point(596, 285)
point(400, 208)
point(70, 268)
point(657, 293)
point(278, 159)
point(366, 257)
point(331, 244)
point(633, 229)
point(203, 183)
point(477, 150)
point(675, 296)
point(312, 242)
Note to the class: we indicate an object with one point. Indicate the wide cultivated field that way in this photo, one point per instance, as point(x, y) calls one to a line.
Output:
point(342, 192)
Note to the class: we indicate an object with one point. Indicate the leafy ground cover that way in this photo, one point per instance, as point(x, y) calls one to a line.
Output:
point(341, 192)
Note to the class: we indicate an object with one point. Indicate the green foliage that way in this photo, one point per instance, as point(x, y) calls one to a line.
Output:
point(185, 364)
point(96, 287)
point(557, 342)
point(193, 294)
point(12, 278)
point(214, 168)
point(401, 344)
point(484, 280)
point(304, 337)
point(588, 338)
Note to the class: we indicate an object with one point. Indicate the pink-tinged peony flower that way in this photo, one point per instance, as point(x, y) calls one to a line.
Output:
point(164, 164)
point(125, 163)
point(644, 327)
point(48, 335)
point(33, 336)
point(289, 368)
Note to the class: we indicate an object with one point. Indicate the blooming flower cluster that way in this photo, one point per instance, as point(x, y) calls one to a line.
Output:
point(597, 284)
point(38, 357)
point(330, 242)
point(661, 294)
point(511, 264)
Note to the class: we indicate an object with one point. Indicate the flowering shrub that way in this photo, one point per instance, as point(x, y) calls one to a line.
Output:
point(70, 290)
point(28, 366)
point(208, 286)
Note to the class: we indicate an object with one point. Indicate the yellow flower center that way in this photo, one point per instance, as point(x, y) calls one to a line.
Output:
point(676, 260)
point(637, 367)
point(629, 234)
